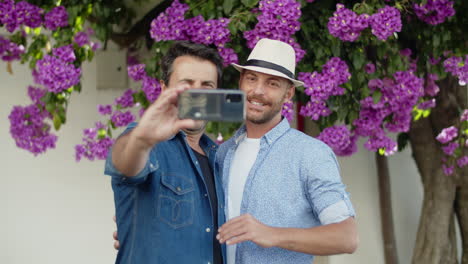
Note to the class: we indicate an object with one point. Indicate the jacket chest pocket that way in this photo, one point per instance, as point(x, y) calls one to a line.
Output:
point(175, 200)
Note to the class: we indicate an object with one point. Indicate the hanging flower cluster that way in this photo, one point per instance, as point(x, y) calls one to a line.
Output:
point(347, 25)
point(454, 139)
point(28, 124)
point(171, 25)
point(10, 51)
point(458, 67)
point(97, 140)
point(56, 72)
point(320, 86)
point(340, 139)
point(96, 143)
point(278, 20)
point(434, 12)
point(392, 111)
point(13, 15)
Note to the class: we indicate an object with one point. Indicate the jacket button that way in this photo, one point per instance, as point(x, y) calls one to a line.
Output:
point(179, 189)
point(208, 230)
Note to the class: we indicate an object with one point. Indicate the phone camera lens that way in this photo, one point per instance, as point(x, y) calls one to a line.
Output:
point(233, 98)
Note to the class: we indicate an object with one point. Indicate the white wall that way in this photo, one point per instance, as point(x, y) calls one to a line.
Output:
point(54, 210)
point(359, 174)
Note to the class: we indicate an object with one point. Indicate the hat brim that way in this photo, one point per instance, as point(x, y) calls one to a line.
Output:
point(240, 68)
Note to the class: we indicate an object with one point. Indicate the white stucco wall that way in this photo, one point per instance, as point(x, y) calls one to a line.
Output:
point(54, 210)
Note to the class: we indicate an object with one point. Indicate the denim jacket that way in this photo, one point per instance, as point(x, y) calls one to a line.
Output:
point(164, 213)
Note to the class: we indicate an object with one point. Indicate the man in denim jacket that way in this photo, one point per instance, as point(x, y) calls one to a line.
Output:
point(283, 193)
point(167, 205)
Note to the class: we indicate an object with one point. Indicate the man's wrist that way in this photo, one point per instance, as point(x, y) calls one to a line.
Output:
point(139, 141)
point(282, 238)
point(277, 236)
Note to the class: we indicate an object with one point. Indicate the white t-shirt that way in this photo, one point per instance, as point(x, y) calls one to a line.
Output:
point(244, 158)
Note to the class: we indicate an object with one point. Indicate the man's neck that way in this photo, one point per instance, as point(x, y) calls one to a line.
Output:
point(194, 142)
point(259, 130)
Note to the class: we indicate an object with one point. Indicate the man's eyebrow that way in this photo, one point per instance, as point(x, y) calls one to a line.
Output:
point(274, 79)
point(208, 82)
point(251, 73)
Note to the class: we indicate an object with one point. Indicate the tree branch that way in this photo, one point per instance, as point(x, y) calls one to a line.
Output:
point(139, 29)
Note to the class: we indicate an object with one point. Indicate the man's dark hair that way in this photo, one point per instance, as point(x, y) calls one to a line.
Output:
point(185, 48)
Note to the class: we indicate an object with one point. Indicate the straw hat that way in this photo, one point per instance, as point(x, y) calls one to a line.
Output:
point(272, 57)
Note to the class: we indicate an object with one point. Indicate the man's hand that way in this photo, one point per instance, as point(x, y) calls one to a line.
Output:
point(161, 121)
point(247, 228)
point(116, 242)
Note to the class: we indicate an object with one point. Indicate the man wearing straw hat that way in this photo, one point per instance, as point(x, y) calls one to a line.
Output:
point(283, 193)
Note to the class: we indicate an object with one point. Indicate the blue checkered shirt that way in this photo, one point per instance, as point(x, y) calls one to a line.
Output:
point(294, 182)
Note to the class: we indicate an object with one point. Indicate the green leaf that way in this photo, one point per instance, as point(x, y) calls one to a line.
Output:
point(77, 87)
point(249, 3)
point(50, 107)
point(417, 114)
point(426, 113)
point(89, 9)
point(227, 6)
point(90, 55)
point(336, 48)
point(342, 113)
point(62, 114)
point(57, 121)
point(381, 151)
point(37, 31)
point(436, 40)
point(352, 115)
point(402, 140)
point(102, 133)
point(358, 60)
point(376, 96)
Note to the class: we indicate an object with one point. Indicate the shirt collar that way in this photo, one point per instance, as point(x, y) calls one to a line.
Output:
point(270, 137)
point(205, 141)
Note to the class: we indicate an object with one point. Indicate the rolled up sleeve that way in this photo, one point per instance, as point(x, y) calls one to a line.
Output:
point(119, 177)
point(325, 190)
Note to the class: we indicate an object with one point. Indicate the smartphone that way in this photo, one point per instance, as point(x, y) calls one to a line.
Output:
point(212, 105)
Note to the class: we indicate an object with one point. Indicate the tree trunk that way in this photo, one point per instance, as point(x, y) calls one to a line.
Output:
point(436, 240)
point(461, 209)
point(386, 211)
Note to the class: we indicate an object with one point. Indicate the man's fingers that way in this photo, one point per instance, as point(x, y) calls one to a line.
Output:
point(116, 245)
point(185, 123)
point(115, 235)
point(229, 228)
point(238, 239)
point(173, 94)
point(232, 221)
point(232, 231)
point(115, 219)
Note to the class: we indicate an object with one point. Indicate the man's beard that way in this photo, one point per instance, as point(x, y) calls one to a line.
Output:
point(267, 116)
point(196, 130)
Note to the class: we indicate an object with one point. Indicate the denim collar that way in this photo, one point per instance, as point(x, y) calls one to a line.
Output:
point(205, 141)
point(270, 137)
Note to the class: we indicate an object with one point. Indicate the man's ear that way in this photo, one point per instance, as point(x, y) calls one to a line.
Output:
point(163, 85)
point(291, 91)
point(240, 79)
